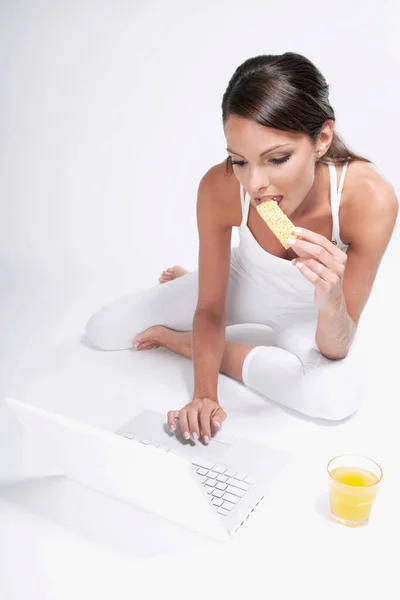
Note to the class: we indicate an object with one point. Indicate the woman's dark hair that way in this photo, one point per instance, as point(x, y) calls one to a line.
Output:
point(286, 92)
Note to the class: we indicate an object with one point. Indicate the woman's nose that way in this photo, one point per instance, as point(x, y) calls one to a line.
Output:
point(257, 184)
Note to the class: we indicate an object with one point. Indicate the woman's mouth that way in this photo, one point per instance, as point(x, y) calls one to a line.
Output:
point(278, 199)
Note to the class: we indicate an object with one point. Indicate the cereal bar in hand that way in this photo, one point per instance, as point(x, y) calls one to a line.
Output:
point(277, 221)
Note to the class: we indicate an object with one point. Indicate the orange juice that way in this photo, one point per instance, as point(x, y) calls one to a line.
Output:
point(353, 491)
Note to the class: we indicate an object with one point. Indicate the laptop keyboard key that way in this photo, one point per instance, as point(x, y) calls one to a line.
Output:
point(230, 473)
point(234, 490)
point(240, 476)
point(222, 511)
point(202, 471)
point(250, 480)
point(219, 469)
point(231, 498)
point(239, 484)
point(211, 482)
point(217, 493)
point(203, 463)
point(221, 486)
point(222, 478)
point(217, 501)
point(228, 505)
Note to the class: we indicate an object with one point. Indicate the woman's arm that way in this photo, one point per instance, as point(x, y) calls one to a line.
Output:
point(214, 209)
point(214, 264)
point(208, 343)
point(374, 217)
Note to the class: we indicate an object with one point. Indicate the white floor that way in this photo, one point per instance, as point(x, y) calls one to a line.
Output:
point(75, 543)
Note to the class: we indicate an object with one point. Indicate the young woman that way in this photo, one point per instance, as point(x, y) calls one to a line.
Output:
point(281, 143)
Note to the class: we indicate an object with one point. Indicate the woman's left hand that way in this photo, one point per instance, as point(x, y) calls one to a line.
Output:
point(323, 264)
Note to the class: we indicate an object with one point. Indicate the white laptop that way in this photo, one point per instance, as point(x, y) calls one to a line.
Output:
point(211, 488)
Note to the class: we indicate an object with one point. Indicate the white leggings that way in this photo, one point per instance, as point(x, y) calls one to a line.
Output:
point(285, 364)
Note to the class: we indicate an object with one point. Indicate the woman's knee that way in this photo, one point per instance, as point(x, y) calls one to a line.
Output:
point(99, 333)
point(110, 328)
point(172, 304)
point(94, 332)
point(340, 406)
point(335, 389)
point(326, 389)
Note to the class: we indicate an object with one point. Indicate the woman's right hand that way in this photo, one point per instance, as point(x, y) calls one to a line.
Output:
point(198, 418)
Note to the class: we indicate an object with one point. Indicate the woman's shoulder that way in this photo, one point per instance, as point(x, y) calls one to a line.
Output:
point(222, 179)
point(223, 189)
point(364, 176)
point(367, 196)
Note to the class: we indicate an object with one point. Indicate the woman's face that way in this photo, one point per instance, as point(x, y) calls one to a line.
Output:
point(287, 171)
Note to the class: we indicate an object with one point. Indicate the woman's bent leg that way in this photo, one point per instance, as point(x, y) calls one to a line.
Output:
point(171, 304)
point(295, 375)
point(286, 368)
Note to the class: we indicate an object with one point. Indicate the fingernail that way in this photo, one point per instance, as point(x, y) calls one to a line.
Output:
point(297, 230)
point(294, 261)
point(195, 436)
point(172, 428)
point(299, 265)
point(186, 435)
point(217, 424)
point(291, 241)
point(206, 439)
point(135, 346)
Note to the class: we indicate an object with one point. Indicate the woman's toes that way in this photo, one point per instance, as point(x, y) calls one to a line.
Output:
point(172, 273)
point(148, 339)
point(165, 276)
point(137, 341)
point(178, 271)
point(147, 346)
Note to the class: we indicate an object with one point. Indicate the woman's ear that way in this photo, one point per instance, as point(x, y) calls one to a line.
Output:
point(325, 137)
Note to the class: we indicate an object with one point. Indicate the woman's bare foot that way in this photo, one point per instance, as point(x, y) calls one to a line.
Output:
point(158, 335)
point(172, 273)
point(181, 343)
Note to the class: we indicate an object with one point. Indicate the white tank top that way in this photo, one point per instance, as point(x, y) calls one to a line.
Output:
point(335, 196)
point(277, 274)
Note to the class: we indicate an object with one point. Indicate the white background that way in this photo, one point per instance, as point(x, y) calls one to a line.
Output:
point(110, 114)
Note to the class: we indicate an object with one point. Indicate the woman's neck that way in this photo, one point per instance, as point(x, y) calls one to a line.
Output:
point(315, 200)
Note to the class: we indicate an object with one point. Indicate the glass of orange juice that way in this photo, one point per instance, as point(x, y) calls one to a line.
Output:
point(353, 483)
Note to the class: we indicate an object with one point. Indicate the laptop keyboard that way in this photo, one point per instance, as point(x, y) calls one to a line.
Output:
point(224, 486)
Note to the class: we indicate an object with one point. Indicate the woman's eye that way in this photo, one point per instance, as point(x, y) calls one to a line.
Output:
point(275, 161)
point(280, 161)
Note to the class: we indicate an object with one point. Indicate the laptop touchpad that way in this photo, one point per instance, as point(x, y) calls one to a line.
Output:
point(152, 426)
point(214, 449)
